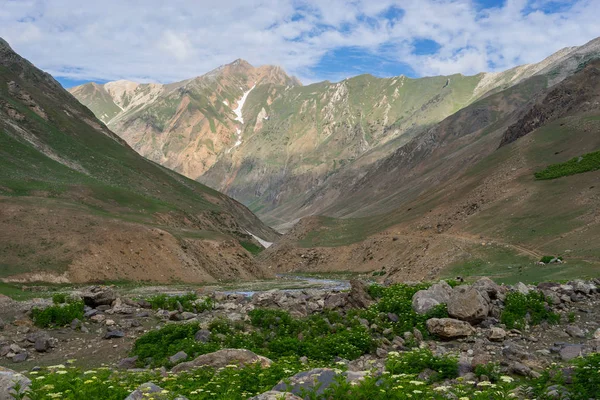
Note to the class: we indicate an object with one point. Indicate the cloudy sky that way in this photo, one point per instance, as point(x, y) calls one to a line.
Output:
point(165, 41)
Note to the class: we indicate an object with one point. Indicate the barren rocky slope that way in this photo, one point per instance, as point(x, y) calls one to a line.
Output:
point(78, 204)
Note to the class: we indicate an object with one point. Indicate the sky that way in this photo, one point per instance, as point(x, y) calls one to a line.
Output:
point(165, 41)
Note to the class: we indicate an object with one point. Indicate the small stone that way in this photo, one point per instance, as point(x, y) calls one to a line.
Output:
point(575, 331)
point(570, 352)
point(496, 334)
point(75, 324)
point(521, 288)
point(98, 318)
point(597, 334)
point(178, 357)
point(20, 357)
point(109, 322)
point(114, 334)
point(127, 363)
point(42, 345)
point(203, 336)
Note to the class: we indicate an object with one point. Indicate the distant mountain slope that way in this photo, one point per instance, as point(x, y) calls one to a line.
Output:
point(78, 204)
point(289, 144)
point(461, 198)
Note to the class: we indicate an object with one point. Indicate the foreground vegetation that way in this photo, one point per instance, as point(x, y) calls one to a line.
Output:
point(231, 383)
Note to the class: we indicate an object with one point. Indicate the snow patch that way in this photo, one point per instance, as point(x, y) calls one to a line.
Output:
point(264, 243)
point(238, 110)
point(240, 118)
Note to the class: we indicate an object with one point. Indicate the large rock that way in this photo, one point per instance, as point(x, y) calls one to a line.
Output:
point(95, 296)
point(448, 328)
point(222, 358)
point(318, 379)
point(359, 297)
point(275, 395)
point(8, 380)
point(467, 304)
point(425, 300)
point(489, 289)
point(148, 391)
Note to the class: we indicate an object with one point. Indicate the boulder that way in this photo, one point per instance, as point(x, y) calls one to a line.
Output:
point(203, 336)
point(95, 296)
point(467, 304)
point(8, 380)
point(448, 328)
point(575, 331)
point(275, 395)
point(521, 288)
point(42, 344)
point(127, 363)
point(489, 289)
point(318, 379)
point(425, 300)
point(20, 357)
point(149, 390)
point(222, 358)
point(570, 352)
point(114, 334)
point(178, 357)
point(597, 334)
point(359, 297)
point(335, 300)
point(496, 334)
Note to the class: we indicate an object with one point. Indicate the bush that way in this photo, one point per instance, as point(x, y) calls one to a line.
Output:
point(57, 315)
point(519, 309)
point(189, 302)
point(397, 299)
point(491, 370)
point(586, 378)
point(548, 259)
point(577, 165)
point(416, 361)
point(60, 298)
point(155, 347)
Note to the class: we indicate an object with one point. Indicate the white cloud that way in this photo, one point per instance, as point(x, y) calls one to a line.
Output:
point(162, 41)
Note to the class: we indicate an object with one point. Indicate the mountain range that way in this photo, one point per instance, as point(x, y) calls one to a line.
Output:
point(279, 147)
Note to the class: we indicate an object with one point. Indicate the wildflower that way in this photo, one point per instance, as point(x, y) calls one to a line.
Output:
point(88, 382)
point(484, 383)
point(61, 372)
point(506, 379)
point(416, 383)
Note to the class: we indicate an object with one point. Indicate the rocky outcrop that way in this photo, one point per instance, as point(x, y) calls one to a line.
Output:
point(224, 357)
point(98, 296)
point(318, 379)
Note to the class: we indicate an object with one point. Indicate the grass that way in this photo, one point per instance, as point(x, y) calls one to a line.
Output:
point(57, 315)
point(578, 165)
point(251, 247)
point(522, 309)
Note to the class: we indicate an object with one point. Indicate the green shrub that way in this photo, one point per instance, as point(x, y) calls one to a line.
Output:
point(491, 370)
point(586, 377)
point(416, 361)
point(397, 299)
point(519, 308)
point(577, 165)
point(60, 298)
point(57, 315)
point(251, 247)
point(189, 302)
point(155, 347)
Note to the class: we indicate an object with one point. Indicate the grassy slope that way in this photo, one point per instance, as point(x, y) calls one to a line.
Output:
point(82, 166)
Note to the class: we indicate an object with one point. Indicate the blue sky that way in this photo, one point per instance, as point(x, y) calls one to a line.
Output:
point(157, 41)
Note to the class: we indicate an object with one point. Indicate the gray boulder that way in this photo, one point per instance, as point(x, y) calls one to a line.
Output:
point(178, 357)
point(359, 297)
point(224, 357)
point(203, 336)
point(448, 328)
point(149, 390)
point(95, 296)
point(275, 395)
point(318, 379)
point(425, 300)
point(8, 380)
point(467, 304)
